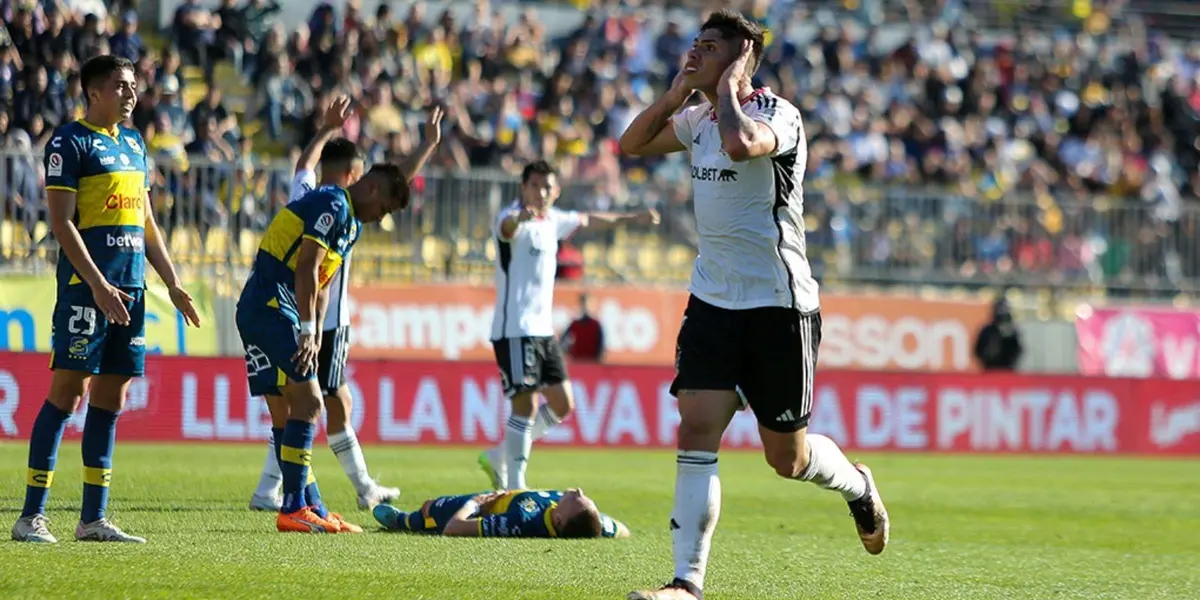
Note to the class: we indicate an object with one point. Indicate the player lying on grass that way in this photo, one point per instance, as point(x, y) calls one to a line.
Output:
point(516, 513)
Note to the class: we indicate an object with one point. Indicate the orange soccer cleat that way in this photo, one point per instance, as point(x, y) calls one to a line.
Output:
point(306, 521)
point(343, 525)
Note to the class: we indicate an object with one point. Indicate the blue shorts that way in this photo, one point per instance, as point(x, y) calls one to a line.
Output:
point(83, 340)
point(270, 340)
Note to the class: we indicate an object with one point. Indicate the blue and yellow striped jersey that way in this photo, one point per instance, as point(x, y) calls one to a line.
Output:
point(326, 216)
point(107, 171)
point(518, 513)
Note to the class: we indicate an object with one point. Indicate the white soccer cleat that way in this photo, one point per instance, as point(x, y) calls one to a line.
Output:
point(104, 531)
point(376, 495)
point(270, 503)
point(676, 590)
point(493, 465)
point(870, 516)
point(34, 528)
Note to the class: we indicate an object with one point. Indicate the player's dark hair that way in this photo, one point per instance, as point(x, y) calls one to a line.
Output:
point(538, 167)
point(733, 25)
point(340, 150)
point(395, 176)
point(584, 524)
point(98, 69)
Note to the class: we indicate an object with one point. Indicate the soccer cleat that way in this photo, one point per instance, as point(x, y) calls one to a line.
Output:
point(305, 521)
point(103, 530)
point(870, 516)
point(343, 525)
point(392, 518)
point(34, 528)
point(676, 590)
point(376, 495)
point(493, 466)
point(266, 503)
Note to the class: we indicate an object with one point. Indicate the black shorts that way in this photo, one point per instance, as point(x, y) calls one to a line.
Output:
point(529, 364)
point(768, 354)
point(331, 360)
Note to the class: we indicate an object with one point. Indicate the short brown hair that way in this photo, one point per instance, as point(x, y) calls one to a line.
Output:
point(395, 176)
point(733, 25)
point(584, 524)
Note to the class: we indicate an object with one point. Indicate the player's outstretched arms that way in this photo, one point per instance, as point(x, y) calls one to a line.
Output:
point(601, 220)
point(651, 133)
point(413, 163)
point(330, 122)
point(160, 259)
point(110, 300)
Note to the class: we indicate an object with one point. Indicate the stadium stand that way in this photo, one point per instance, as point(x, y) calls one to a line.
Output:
point(1046, 144)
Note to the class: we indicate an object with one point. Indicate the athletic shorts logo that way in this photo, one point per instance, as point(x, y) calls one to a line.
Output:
point(54, 165)
point(78, 348)
point(324, 223)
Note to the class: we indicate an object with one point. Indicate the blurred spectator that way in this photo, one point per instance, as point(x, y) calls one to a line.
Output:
point(998, 345)
point(583, 339)
point(126, 42)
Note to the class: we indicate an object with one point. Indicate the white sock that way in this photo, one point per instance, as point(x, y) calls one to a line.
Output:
point(349, 454)
point(271, 479)
point(830, 469)
point(697, 508)
point(545, 420)
point(518, 441)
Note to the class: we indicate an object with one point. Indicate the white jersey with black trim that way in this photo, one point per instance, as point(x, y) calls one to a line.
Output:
point(750, 215)
point(525, 269)
point(337, 314)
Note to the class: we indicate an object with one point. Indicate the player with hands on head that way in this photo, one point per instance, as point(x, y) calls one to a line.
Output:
point(97, 188)
point(752, 326)
point(529, 356)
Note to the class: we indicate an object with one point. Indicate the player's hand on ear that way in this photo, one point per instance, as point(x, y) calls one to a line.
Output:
point(184, 303)
point(111, 302)
point(740, 67)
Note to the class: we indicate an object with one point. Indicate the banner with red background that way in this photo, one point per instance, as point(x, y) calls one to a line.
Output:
point(454, 322)
point(1139, 342)
point(206, 400)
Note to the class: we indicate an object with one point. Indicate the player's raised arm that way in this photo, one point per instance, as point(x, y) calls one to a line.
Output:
point(331, 121)
point(742, 137)
point(600, 220)
point(413, 163)
point(62, 181)
point(160, 259)
point(651, 132)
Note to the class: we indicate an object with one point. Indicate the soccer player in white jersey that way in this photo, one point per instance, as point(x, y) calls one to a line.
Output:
point(753, 320)
point(341, 165)
point(530, 359)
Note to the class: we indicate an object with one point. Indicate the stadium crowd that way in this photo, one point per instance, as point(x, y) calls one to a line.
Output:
point(1070, 154)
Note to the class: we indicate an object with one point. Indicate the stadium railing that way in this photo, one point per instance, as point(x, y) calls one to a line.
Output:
point(858, 235)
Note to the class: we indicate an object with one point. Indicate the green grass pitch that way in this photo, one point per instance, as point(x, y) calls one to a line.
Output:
point(964, 527)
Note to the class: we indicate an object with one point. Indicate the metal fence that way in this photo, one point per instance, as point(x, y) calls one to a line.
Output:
point(214, 214)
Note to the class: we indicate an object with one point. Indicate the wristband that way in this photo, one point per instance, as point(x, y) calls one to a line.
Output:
point(308, 328)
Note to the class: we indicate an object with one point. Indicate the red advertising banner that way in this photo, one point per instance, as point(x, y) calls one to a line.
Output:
point(454, 322)
point(206, 400)
point(1139, 342)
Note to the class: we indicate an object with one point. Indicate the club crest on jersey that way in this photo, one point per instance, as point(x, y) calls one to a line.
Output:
point(133, 144)
point(324, 223)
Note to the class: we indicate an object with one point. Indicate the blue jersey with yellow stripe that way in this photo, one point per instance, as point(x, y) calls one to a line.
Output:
point(326, 216)
point(517, 513)
point(107, 171)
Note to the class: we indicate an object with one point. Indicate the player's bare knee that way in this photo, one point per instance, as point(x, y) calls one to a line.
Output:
point(560, 399)
point(337, 412)
point(109, 392)
point(66, 389)
point(522, 404)
point(787, 464)
point(304, 401)
point(278, 407)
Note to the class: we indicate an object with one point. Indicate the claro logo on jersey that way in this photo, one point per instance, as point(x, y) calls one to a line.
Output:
point(123, 202)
